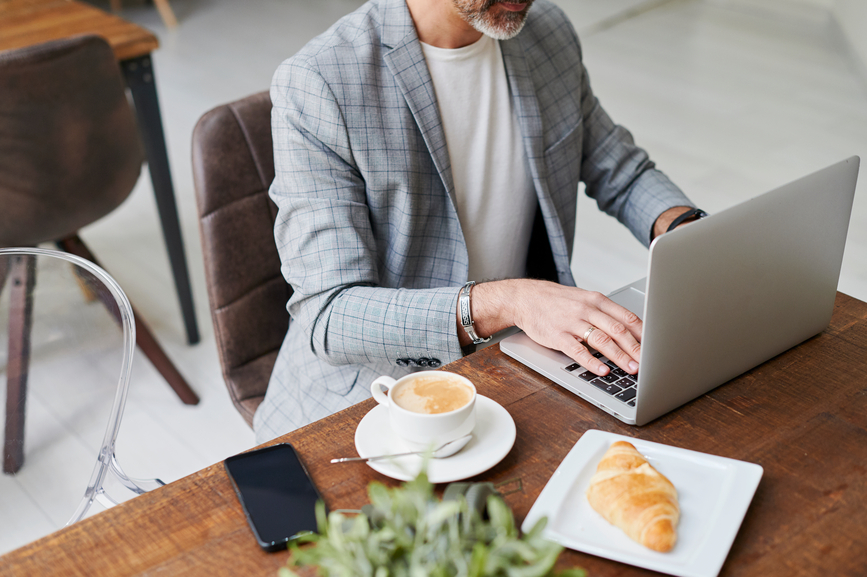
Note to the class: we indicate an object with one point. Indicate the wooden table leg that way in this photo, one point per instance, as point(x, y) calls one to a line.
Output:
point(140, 79)
point(144, 337)
point(22, 278)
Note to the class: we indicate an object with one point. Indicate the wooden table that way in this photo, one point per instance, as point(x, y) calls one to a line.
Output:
point(802, 416)
point(29, 22)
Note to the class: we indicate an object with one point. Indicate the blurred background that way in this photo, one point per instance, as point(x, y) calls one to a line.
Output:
point(730, 97)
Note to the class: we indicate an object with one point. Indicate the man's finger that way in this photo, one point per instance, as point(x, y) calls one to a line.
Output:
point(614, 341)
point(629, 319)
point(600, 340)
point(579, 353)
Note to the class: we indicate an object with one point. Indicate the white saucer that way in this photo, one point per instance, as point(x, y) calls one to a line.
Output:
point(492, 440)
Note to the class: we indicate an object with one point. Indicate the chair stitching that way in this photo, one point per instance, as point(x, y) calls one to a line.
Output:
point(250, 147)
point(249, 291)
point(235, 201)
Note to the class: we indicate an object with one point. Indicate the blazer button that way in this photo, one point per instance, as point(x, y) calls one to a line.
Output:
point(402, 362)
point(423, 362)
point(434, 363)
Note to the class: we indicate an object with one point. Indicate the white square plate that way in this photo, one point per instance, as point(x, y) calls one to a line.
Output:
point(714, 494)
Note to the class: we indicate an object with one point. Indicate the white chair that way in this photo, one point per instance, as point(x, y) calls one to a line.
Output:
point(62, 356)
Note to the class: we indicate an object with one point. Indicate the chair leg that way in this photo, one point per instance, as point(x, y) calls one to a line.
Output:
point(153, 351)
point(166, 13)
point(83, 286)
point(22, 278)
point(139, 75)
point(144, 338)
point(4, 269)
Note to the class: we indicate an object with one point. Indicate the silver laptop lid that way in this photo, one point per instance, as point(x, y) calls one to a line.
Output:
point(731, 291)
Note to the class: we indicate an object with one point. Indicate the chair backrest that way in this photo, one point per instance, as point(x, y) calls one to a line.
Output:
point(70, 151)
point(66, 363)
point(233, 166)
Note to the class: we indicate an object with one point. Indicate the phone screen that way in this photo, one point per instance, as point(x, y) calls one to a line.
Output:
point(275, 492)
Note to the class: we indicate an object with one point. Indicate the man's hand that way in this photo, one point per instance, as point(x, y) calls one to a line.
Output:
point(558, 317)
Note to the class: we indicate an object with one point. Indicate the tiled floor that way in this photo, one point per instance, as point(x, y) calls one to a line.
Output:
point(730, 97)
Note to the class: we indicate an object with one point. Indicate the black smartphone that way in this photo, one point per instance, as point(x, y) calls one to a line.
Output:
point(276, 493)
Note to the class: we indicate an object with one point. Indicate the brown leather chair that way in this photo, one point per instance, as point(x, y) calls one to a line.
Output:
point(70, 153)
point(233, 166)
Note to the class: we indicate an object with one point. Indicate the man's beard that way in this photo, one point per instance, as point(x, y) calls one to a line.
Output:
point(502, 26)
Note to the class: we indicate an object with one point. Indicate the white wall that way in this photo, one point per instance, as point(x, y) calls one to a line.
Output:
point(819, 3)
point(852, 18)
point(851, 15)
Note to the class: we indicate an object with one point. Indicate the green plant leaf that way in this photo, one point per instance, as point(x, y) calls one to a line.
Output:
point(501, 516)
point(408, 532)
point(321, 518)
point(537, 528)
point(477, 560)
point(576, 572)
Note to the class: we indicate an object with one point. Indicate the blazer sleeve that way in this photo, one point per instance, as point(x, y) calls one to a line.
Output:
point(326, 243)
point(620, 175)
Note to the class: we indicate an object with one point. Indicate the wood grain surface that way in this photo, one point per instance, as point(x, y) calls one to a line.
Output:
point(801, 415)
point(29, 22)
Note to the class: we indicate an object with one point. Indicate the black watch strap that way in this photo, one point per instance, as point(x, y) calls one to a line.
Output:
point(693, 214)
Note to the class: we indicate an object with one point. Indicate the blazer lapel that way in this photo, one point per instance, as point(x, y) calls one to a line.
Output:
point(530, 118)
point(406, 62)
point(526, 103)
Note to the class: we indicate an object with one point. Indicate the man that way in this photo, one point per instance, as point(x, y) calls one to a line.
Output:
point(421, 144)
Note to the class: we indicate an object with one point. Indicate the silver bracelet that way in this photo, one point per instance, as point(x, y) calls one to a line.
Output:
point(467, 315)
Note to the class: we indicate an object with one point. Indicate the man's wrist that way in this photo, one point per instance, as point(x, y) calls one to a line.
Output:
point(688, 216)
point(466, 313)
point(666, 218)
point(490, 309)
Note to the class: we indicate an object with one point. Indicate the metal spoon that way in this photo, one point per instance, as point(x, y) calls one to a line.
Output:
point(441, 452)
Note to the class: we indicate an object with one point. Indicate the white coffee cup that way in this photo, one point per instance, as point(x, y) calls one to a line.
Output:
point(423, 430)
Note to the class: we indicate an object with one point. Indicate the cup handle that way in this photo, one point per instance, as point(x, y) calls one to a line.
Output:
point(376, 389)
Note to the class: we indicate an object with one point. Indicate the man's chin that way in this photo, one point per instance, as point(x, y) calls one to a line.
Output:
point(504, 25)
point(500, 33)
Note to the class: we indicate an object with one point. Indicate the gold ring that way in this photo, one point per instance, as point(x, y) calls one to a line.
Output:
point(587, 334)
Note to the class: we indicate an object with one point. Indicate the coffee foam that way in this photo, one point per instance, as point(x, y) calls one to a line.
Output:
point(433, 394)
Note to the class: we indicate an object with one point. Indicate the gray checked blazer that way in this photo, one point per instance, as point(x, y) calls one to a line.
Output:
point(367, 229)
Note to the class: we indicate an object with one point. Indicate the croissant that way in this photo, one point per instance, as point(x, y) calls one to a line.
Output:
point(632, 495)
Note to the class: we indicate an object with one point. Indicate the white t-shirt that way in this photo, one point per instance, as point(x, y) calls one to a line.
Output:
point(494, 189)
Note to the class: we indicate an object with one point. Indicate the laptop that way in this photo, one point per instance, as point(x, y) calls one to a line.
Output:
point(722, 295)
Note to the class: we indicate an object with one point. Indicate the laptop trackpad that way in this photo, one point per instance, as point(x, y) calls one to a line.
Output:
point(630, 298)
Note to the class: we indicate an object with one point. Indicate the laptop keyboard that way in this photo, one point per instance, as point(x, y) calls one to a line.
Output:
point(617, 383)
